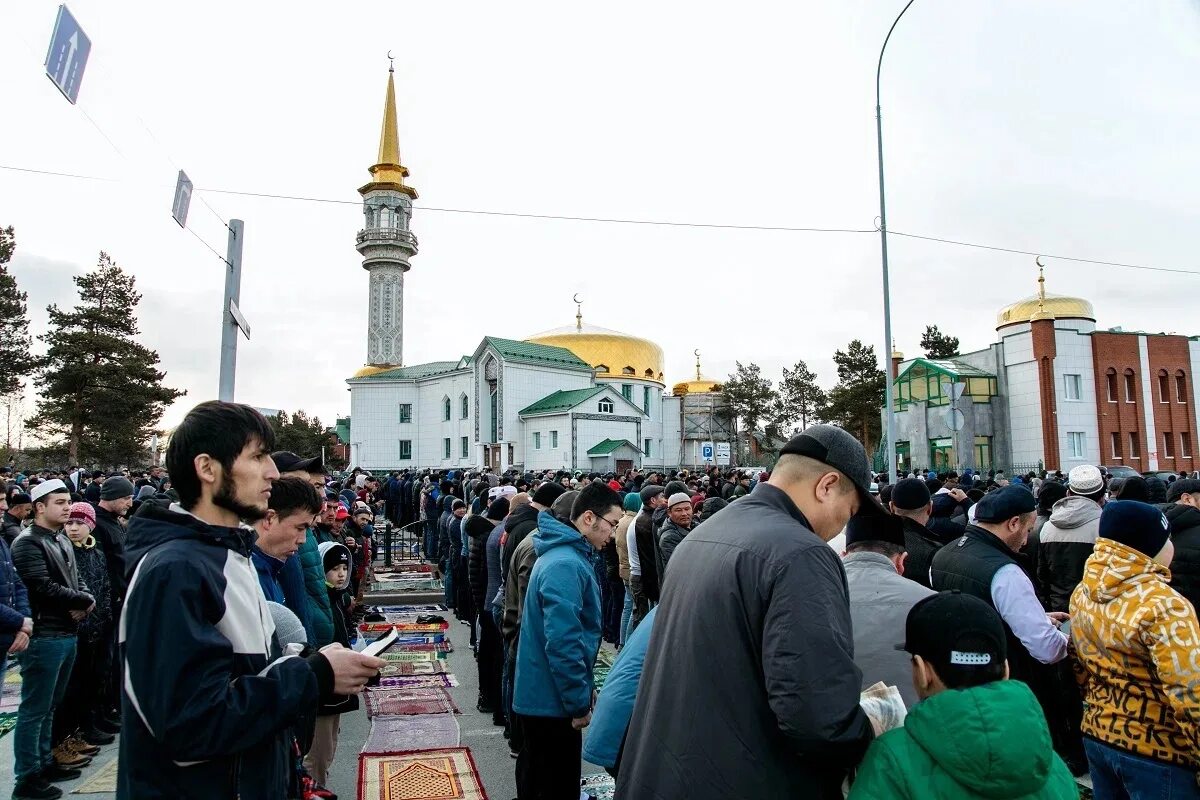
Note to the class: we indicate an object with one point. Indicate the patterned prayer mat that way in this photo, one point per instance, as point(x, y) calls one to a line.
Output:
point(600, 786)
point(10, 699)
point(418, 681)
point(421, 609)
point(420, 731)
point(600, 675)
point(402, 628)
point(8, 721)
point(423, 647)
point(448, 774)
point(105, 780)
point(403, 702)
point(393, 668)
point(408, 657)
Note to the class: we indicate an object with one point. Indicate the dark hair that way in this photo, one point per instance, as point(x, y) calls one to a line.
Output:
point(874, 546)
point(597, 497)
point(289, 495)
point(1051, 493)
point(221, 430)
point(959, 676)
point(1134, 488)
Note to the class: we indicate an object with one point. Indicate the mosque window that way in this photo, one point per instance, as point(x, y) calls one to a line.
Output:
point(646, 400)
point(1168, 444)
point(627, 391)
point(1076, 444)
point(385, 217)
point(1073, 387)
point(1164, 387)
point(1180, 387)
point(1130, 387)
point(1185, 445)
point(553, 440)
point(465, 406)
point(627, 371)
point(602, 368)
point(983, 452)
point(1135, 446)
point(646, 448)
point(649, 373)
point(445, 409)
point(1115, 444)
point(466, 447)
point(606, 406)
point(1112, 385)
point(405, 413)
point(406, 449)
point(537, 440)
point(445, 448)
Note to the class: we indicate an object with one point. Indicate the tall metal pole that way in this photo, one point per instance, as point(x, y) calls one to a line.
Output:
point(887, 295)
point(229, 325)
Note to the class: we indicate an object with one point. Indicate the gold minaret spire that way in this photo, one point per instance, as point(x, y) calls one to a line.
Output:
point(697, 352)
point(388, 172)
point(1041, 313)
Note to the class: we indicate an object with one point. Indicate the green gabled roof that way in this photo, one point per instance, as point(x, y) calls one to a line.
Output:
point(532, 353)
point(342, 430)
point(562, 400)
point(609, 446)
point(947, 367)
point(415, 372)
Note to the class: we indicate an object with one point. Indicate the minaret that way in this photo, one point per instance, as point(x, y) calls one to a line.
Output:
point(386, 243)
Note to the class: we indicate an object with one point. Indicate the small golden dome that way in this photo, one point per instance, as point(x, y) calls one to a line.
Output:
point(612, 353)
point(1056, 307)
point(695, 387)
point(372, 369)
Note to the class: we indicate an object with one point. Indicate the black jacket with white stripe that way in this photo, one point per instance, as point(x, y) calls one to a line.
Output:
point(207, 709)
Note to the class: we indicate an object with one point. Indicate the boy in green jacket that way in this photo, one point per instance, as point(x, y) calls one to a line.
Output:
point(974, 733)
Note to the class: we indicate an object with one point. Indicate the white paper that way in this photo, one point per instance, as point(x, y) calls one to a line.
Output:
point(382, 643)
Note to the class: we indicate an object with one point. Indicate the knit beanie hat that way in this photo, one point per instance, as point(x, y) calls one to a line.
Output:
point(498, 510)
point(288, 628)
point(547, 493)
point(115, 488)
point(333, 554)
point(83, 512)
point(632, 502)
point(1139, 526)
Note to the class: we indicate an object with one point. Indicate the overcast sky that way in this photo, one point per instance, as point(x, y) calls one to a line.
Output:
point(1047, 125)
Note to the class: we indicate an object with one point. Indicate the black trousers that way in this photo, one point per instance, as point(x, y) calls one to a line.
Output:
point(87, 695)
point(548, 767)
point(491, 662)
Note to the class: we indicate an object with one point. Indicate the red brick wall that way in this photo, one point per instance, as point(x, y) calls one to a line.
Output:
point(1044, 351)
point(1170, 354)
point(1119, 351)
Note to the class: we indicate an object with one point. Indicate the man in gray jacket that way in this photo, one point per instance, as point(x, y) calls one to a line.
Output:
point(880, 599)
point(749, 688)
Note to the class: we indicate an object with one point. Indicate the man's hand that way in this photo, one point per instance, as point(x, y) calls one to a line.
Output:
point(19, 643)
point(958, 494)
point(579, 723)
point(351, 670)
point(1058, 617)
point(78, 615)
point(27, 627)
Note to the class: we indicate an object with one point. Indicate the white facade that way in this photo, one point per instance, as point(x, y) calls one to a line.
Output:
point(1078, 433)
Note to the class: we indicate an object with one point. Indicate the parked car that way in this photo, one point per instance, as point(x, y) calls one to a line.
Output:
point(1122, 471)
point(1164, 475)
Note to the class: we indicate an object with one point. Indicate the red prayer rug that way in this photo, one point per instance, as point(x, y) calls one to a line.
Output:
point(411, 732)
point(403, 702)
point(448, 774)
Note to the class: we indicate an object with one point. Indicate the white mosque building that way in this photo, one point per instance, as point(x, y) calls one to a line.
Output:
point(579, 397)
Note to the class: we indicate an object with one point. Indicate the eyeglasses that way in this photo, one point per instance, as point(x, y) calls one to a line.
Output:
point(611, 525)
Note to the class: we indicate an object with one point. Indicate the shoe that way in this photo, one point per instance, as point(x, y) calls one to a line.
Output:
point(513, 753)
point(95, 737)
point(57, 774)
point(107, 726)
point(483, 708)
point(499, 721)
point(77, 745)
point(65, 757)
point(34, 788)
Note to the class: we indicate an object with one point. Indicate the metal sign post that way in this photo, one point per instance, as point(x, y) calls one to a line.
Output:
point(231, 316)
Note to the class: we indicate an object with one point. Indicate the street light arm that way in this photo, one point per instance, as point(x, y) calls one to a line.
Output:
point(879, 66)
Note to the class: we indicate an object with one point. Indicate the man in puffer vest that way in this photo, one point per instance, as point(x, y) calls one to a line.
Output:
point(1138, 643)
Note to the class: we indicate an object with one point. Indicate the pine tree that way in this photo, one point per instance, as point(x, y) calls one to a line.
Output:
point(101, 392)
point(855, 402)
point(749, 396)
point(800, 397)
point(299, 434)
point(14, 323)
point(937, 344)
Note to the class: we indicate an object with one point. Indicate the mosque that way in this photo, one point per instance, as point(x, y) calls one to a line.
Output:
point(579, 397)
point(1052, 392)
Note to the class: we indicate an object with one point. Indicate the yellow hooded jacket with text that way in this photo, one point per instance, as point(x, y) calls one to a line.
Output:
point(1138, 644)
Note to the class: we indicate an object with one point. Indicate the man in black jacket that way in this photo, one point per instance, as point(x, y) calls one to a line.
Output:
point(910, 500)
point(115, 499)
point(749, 688)
point(1184, 515)
point(209, 701)
point(59, 599)
point(19, 509)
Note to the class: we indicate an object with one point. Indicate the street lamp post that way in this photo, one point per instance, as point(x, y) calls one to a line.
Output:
point(887, 296)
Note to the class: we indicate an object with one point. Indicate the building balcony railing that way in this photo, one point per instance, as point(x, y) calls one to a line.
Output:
point(386, 235)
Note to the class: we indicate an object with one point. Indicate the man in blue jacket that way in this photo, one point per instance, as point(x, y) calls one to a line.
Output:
point(560, 636)
point(16, 620)
point(281, 533)
point(208, 709)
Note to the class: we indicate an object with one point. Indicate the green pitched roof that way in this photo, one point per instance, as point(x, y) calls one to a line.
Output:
point(532, 353)
point(609, 446)
point(415, 372)
point(562, 400)
point(948, 367)
point(342, 430)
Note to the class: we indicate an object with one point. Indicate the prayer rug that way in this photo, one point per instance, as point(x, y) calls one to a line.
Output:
point(403, 702)
point(421, 731)
point(600, 675)
point(105, 780)
point(423, 647)
point(420, 609)
point(406, 657)
point(447, 774)
point(418, 681)
point(8, 721)
point(600, 786)
point(419, 668)
point(421, 627)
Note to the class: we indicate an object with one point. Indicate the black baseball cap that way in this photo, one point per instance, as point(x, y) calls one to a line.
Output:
point(836, 448)
point(956, 633)
point(286, 461)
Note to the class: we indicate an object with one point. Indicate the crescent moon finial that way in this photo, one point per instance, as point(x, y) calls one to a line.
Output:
point(1038, 261)
point(696, 353)
point(391, 66)
point(575, 298)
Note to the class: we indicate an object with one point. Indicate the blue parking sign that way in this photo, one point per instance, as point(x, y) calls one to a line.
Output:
point(68, 54)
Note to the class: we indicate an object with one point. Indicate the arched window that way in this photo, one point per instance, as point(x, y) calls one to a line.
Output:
point(649, 373)
point(1164, 387)
point(1181, 394)
point(628, 371)
point(602, 368)
point(446, 409)
point(465, 406)
point(1130, 386)
point(1111, 380)
point(606, 406)
point(385, 217)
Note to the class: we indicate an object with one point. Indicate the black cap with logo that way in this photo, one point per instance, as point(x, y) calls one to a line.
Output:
point(957, 633)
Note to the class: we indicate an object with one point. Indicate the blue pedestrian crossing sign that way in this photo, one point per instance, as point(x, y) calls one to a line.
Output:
point(68, 55)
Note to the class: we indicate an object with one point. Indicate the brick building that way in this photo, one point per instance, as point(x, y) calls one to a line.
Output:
point(1055, 391)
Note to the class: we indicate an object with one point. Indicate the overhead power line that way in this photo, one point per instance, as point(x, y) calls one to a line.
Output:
point(650, 222)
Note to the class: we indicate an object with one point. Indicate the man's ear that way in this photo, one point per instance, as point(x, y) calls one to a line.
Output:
point(827, 485)
point(208, 469)
point(922, 674)
point(899, 561)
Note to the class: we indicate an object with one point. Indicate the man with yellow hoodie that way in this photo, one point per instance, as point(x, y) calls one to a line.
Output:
point(1138, 644)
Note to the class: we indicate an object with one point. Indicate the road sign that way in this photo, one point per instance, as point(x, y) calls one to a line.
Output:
point(955, 419)
point(183, 199)
point(706, 451)
point(238, 319)
point(722, 452)
point(68, 54)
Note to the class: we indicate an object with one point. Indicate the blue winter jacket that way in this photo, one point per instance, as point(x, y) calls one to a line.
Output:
point(320, 615)
point(268, 568)
point(14, 599)
point(560, 625)
point(208, 708)
point(614, 706)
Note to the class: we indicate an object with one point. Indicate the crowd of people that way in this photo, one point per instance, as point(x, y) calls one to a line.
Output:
point(1036, 628)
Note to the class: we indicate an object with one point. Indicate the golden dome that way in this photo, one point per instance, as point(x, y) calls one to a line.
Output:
point(1056, 307)
point(613, 354)
point(695, 387)
point(372, 369)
